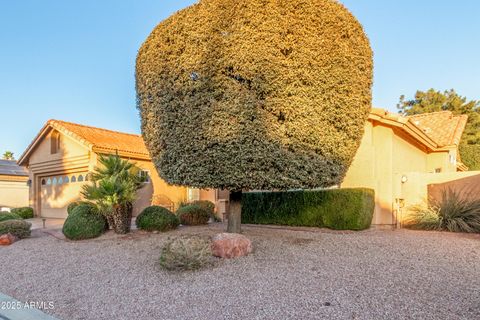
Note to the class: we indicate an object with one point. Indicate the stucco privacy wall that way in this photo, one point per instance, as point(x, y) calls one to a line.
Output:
point(384, 156)
point(13, 194)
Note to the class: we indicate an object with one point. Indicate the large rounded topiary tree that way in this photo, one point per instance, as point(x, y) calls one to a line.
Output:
point(255, 94)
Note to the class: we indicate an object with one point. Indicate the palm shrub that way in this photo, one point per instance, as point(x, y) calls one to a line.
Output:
point(156, 218)
point(452, 212)
point(114, 189)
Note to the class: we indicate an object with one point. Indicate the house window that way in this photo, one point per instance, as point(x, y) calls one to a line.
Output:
point(438, 170)
point(145, 175)
point(55, 142)
point(74, 179)
point(66, 180)
point(453, 159)
point(60, 180)
point(80, 178)
point(193, 194)
point(49, 181)
point(44, 182)
point(54, 181)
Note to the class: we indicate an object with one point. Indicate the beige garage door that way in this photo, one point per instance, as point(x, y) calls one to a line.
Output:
point(58, 191)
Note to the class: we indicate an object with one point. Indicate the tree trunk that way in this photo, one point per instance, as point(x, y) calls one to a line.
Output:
point(235, 212)
point(122, 218)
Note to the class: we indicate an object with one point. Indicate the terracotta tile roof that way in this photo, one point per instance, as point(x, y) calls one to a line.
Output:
point(103, 140)
point(443, 127)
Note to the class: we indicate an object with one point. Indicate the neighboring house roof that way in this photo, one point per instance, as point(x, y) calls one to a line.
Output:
point(436, 130)
point(11, 168)
point(95, 139)
point(445, 128)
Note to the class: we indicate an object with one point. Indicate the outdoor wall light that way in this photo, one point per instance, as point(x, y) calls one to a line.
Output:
point(404, 178)
point(29, 182)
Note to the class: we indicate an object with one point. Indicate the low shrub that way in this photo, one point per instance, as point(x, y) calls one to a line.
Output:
point(204, 204)
point(451, 212)
point(18, 228)
point(24, 213)
point(186, 253)
point(156, 218)
point(4, 216)
point(75, 204)
point(84, 223)
point(193, 215)
point(339, 209)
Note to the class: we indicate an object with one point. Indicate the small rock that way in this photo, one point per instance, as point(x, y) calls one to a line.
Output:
point(7, 239)
point(230, 245)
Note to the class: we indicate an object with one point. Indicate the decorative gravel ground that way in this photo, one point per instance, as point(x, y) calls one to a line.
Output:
point(307, 274)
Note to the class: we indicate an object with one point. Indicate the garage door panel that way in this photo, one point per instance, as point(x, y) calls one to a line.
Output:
point(55, 197)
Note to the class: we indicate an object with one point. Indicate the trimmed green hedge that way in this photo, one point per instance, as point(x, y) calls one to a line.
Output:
point(75, 204)
point(84, 223)
point(4, 216)
point(24, 213)
point(156, 218)
point(339, 209)
point(193, 215)
point(470, 155)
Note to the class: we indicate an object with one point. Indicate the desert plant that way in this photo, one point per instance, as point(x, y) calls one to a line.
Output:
point(222, 107)
point(193, 215)
point(4, 216)
point(24, 212)
point(157, 218)
point(453, 212)
point(186, 253)
point(114, 189)
point(17, 228)
point(75, 204)
point(84, 223)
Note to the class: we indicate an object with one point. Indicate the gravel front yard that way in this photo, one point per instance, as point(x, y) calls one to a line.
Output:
point(309, 274)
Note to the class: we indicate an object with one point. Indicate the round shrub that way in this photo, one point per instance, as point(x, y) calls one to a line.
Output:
point(17, 228)
point(75, 204)
point(84, 223)
point(4, 216)
point(24, 213)
point(186, 253)
point(193, 215)
point(255, 94)
point(156, 218)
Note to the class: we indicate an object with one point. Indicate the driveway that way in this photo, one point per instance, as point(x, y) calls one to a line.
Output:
point(306, 274)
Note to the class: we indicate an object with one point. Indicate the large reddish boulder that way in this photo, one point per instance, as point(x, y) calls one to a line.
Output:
point(230, 245)
point(7, 239)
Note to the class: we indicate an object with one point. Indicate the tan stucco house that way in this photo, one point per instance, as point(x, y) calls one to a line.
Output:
point(62, 154)
point(400, 156)
point(13, 185)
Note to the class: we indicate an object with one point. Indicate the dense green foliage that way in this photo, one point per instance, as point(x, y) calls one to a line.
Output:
point(255, 94)
point(157, 218)
point(17, 228)
point(114, 189)
point(470, 155)
point(433, 101)
point(339, 209)
point(453, 212)
point(84, 223)
point(4, 216)
point(204, 204)
point(75, 204)
point(193, 215)
point(24, 212)
point(186, 253)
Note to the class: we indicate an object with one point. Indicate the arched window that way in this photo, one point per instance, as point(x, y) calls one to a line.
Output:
point(80, 178)
point(55, 142)
point(60, 180)
point(44, 182)
point(54, 181)
point(49, 181)
point(66, 180)
point(74, 179)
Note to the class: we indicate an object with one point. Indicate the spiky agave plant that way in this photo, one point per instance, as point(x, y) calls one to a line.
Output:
point(454, 212)
point(114, 189)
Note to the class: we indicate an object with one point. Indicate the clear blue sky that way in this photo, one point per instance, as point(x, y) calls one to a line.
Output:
point(74, 60)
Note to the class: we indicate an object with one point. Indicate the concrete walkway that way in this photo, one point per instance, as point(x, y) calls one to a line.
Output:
point(11, 309)
point(51, 224)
